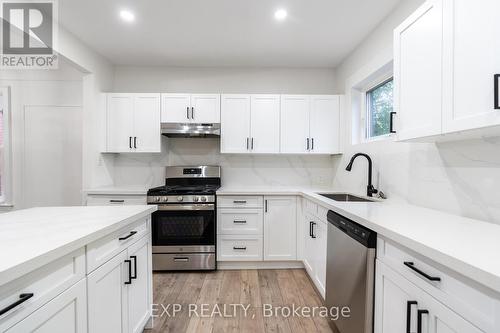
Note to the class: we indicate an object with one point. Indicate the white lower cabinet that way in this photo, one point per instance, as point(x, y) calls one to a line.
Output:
point(400, 306)
point(66, 313)
point(315, 247)
point(280, 228)
point(119, 291)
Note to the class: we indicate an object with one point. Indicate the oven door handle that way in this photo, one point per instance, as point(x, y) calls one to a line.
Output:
point(187, 207)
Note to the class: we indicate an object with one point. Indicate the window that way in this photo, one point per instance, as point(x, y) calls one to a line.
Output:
point(379, 105)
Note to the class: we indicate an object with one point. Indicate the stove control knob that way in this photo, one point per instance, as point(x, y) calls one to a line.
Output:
point(204, 199)
point(196, 199)
point(158, 199)
point(180, 198)
point(165, 199)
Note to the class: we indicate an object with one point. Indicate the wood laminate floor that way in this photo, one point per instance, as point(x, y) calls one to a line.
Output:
point(205, 302)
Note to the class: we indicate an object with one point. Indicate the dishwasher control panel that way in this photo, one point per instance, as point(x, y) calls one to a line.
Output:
point(360, 233)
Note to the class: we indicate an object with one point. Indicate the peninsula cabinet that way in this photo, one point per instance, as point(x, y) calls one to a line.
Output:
point(133, 123)
point(190, 108)
point(250, 124)
point(446, 71)
point(310, 124)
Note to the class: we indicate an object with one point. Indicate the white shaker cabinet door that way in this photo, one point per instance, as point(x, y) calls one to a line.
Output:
point(205, 108)
point(265, 123)
point(67, 313)
point(235, 124)
point(325, 124)
point(280, 228)
point(418, 72)
point(320, 233)
point(295, 111)
point(107, 296)
point(472, 47)
point(309, 245)
point(147, 135)
point(175, 108)
point(120, 122)
point(139, 290)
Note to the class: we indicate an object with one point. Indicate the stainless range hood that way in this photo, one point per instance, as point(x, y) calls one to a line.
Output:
point(173, 130)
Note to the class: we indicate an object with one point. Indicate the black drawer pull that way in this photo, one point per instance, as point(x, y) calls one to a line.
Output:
point(496, 85)
point(239, 221)
point(129, 262)
point(411, 265)
point(128, 236)
point(239, 248)
point(116, 201)
point(240, 201)
point(22, 298)
point(135, 267)
point(409, 304)
point(420, 313)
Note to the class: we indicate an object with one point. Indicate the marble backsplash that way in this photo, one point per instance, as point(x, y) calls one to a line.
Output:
point(237, 170)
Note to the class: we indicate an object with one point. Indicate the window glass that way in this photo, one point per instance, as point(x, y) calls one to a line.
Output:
point(379, 105)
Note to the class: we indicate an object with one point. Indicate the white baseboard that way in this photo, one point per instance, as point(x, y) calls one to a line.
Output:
point(222, 265)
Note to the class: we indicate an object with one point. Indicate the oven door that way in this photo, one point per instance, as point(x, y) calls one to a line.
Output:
point(184, 228)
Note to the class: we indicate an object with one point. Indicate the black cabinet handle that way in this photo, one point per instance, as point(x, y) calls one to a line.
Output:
point(135, 142)
point(130, 142)
point(420, 313)
point(239, 201)
point(187, 112)
point(192, 112)
point(135, 268)
point(265, 206)
point(239, 248)
point(129, 262)
point(251, 145)
point(312, 143)
point(248, 145)
point(307, 140)
point(22, 298)
point(391, 122)
point(312, 229)
point(128, 236)
point(239, 221)
point(496, 85)
point(411, 265)
point(116, 201)
point(409, 304)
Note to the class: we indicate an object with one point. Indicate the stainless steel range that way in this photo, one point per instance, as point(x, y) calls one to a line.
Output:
point(184, 226)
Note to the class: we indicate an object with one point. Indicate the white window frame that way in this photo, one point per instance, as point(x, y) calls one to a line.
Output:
point(379, 80)
point(6, 177)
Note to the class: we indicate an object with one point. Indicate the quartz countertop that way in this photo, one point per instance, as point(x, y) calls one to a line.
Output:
point(117, 190)
point(31, 238)
point(467, 246)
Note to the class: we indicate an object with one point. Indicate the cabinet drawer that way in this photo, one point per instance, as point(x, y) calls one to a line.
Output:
point(107, 247)
point(474, 303)
point(240, 201)
point(239, 221)
point(44, 283)
point(239, 248)
point(115, 200)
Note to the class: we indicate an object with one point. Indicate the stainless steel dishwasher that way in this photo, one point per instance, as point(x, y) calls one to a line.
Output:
point(350, 273)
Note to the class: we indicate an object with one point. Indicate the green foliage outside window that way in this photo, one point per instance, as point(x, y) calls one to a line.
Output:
point(379, 102)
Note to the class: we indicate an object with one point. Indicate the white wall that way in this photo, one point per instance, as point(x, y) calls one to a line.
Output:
point(458, 177)
point(148, 170)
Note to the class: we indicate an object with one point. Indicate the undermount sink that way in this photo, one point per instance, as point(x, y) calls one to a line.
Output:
point(344, 197)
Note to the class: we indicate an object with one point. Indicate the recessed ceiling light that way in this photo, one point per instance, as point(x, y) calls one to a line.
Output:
point(280, 14)
point(127, 15)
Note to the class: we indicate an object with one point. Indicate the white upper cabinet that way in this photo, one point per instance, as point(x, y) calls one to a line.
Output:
point(186, 108)
point(471, 49)
point(445, 65)
point(205, 108)
point(175, 108)
point(295, 112)
point(310, 124)
point(325, 124)
point(418, 72)
point(235, 124)
point(133, 123)
point(265, 124)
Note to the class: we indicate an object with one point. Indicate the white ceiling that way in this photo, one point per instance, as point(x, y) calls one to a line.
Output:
point(317, 33)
